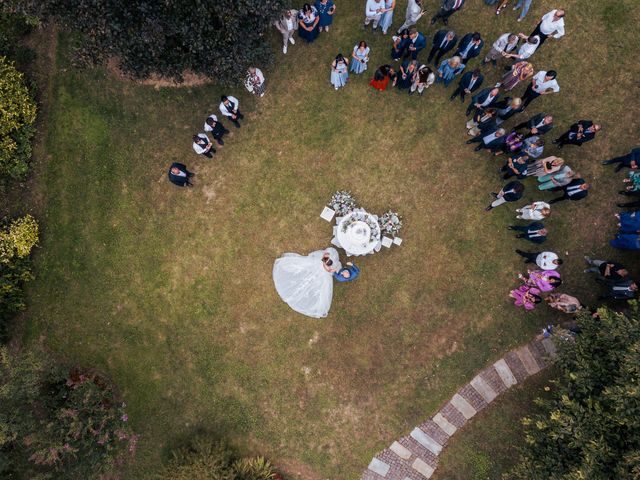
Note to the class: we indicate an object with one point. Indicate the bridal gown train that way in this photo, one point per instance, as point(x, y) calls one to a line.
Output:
point(304, 284)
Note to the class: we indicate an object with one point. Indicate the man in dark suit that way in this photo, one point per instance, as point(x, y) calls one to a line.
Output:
point(537, 125)
point(469, 83)
point(448, 8)
point(624, 290)
point(630, 160)
point(417, 43)
point(511, 192)
point(485, 99)
point(580, 132)
point(493, 141)
point(576, 189)
point(443, 41)
point(534, 232)
point(470, 47)
point(179, 175)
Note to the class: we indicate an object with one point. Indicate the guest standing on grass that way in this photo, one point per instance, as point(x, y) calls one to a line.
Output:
point(339, 71)
point(542, 83)
point(417, 43)
point(580, 132)
point(519, 72)
point(470, 47)
point(308, 20)
point(485, 99)
point(544, 260)
point(511, 192)
point(534, 232)
point(506, 43)
point(413, 14)
point(448, 8)
point(526, 296)
point(387, 16)
point(626, 241)
point(534, 211)
point(382, 77)
point(202, 145)
point(483, 122)
point(556, 179)
point(215, 128)
point(622, 290)
point(515, 166)
point(469, 83)
point(525, 5)
point(630, 160)
point(449, 69)
point(443, 42)
point(287, 25)
point(537, 125)
point(407, 71)
point(629, 222)
point(546, 166)
point(512, 144)
point(400, 44)
point(493, 141)
point(507, 108)
point(326, 9)
point(179, 175)
point(373, 12)
point(575, 190)
point(551, 25)
point(255, 82)
point(360, 57)
point(230, 108)
point(533, 146)
point(527, 49)
point(423, 79)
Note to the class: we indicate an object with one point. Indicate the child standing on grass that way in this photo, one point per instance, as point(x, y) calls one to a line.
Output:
point(339, 71)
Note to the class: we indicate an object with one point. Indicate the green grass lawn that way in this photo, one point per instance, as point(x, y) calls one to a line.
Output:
point(169, 291)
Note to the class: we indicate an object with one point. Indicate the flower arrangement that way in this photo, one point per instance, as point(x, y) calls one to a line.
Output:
point(342, 202)
point(366, 218)
point(391, 223)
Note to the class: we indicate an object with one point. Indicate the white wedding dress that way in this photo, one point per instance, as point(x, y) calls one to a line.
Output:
point(304, 284)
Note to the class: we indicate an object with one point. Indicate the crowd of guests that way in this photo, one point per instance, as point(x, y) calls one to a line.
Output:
point(489, 110)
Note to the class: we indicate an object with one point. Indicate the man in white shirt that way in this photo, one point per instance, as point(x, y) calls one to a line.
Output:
point(527, 49)
point(287, 25)
point(551, 25)
point(230, 108)
point(544, 260)
point(373, 11)
point(203, 146)
point(542, 83)
point(414, 13)
point(500, 48)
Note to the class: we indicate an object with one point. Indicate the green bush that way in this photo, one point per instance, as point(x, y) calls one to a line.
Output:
point(590, 427)
point(16, 122)
point(59, 423)
point(205, 459)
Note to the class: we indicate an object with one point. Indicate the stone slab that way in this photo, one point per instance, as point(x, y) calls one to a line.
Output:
point(505, 373)
point(483, 389)
point(422, 468)
point(399, 450)
point(549, 347)
point(526, 357)
point(379, 467)
point(426, 441)
point(432, 429)
point(463, 406)
point(444, 424)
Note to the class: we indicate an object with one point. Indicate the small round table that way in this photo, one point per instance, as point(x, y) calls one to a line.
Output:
point(358, 233)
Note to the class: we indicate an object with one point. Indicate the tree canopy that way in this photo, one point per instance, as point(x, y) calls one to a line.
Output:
point(590, 427)
point(219, 39)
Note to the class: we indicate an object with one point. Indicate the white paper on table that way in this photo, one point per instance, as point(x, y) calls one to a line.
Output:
point(386, 242)
point(397, 240)
point(327, 214)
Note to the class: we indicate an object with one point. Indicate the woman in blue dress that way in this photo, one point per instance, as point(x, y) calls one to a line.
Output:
point(387, 16)
point(407, 73)
point(360, 57)
point(400, 44)
point(326, 9)
point(448, 70)
point(308, 20)
point(339, 71)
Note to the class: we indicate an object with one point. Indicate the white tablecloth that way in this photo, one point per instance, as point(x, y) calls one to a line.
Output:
point(358, 233)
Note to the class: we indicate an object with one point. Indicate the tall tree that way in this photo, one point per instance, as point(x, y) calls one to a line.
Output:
point(590, 428)
point(218, 38)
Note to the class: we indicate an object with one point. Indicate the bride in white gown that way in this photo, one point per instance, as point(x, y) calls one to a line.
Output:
point(306, 283)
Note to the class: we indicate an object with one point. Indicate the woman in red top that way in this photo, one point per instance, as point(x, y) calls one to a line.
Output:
point(382, 77)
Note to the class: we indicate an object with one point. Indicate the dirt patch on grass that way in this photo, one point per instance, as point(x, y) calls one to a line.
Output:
point(295, 469)
point(189, 79)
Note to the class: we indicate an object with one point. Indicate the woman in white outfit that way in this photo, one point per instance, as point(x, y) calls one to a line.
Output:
point(534, 211)
point(306, 283)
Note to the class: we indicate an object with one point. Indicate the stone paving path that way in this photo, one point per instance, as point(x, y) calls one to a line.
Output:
point(415, 457)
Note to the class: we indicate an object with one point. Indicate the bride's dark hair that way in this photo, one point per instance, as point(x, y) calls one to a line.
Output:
point(328, 262)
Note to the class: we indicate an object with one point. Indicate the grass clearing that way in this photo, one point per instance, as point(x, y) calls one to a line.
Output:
point(169, 291)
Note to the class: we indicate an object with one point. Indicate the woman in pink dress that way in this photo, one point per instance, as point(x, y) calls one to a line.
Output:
point(544, 280)
point(519, 73)
point(526, 296)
